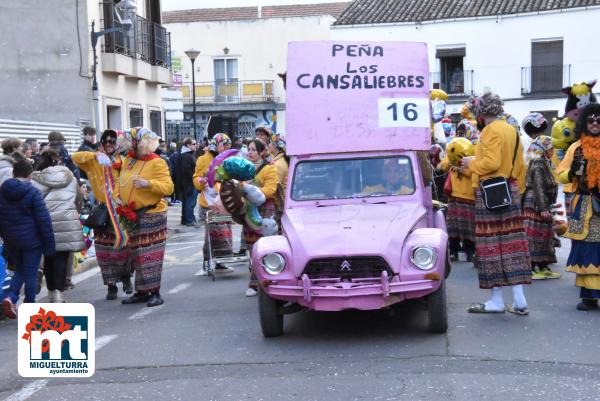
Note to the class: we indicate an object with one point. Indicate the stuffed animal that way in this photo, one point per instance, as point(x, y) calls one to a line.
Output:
point(438, 110)
point(579, 96)
point(458, 148)
point(563, 135)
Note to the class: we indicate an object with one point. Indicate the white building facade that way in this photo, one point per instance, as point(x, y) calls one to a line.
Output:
point(526, 58)
point(132, 66)
point(242, 51)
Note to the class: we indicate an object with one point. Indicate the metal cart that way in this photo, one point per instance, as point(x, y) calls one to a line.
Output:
point(210, 263)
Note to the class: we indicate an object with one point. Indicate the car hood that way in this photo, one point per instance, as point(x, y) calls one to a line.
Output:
point(348, 230)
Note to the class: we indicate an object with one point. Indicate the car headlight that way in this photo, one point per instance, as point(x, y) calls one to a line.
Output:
point(273, 263)
point(423, 257)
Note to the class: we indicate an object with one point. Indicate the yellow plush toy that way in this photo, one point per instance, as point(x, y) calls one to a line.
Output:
point(438, 94)
point(563, 135)
point(458, 148)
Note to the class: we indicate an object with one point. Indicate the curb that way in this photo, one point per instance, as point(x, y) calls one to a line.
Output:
point(86, 265)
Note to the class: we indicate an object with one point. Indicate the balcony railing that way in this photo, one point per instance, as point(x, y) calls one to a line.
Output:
point(229, 91)
point(544, 79)
point(146, 40)
point(458, 84)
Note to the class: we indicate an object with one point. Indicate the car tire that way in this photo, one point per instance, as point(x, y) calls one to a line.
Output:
point(437, 312)
point(270, 314)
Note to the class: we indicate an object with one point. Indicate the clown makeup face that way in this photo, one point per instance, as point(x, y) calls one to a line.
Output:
point(593, 125)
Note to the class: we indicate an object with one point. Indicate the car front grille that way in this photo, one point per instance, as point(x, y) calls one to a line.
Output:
point(355, 267)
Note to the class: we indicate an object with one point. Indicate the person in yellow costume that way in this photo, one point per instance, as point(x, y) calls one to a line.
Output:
point(396, 180)
point(92, 163)
point(460, 220)
point(220, 232)
point(581, 167)
point(144, 182)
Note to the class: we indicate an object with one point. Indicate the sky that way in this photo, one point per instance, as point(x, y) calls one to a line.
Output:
point(169, 5)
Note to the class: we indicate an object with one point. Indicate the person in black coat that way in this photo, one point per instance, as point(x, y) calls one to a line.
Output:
point(57, 142)
point(186, 165)
point(26, 228)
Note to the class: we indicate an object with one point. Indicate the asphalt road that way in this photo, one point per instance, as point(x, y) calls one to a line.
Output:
point(205, 343)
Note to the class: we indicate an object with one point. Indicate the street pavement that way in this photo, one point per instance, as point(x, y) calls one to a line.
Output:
point(205, 343)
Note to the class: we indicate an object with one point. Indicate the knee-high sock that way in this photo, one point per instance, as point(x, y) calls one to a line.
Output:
point(519, 300)
point(496, 302)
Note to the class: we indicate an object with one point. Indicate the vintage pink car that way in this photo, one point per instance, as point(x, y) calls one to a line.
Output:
point(359, 232)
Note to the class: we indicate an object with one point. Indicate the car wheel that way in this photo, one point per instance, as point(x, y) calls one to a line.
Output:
point(437, 313)
point(271, 315)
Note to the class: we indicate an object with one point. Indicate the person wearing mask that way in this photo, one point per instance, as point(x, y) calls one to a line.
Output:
point(266, 180)
point(220, 232)
point(500, 241)
point(60, 190)
point(56, 141)
point(144, 181)
point(93, 163)
point(185, 184)
point(26, 228)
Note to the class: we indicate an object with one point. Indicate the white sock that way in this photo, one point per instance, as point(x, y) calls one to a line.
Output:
point(496, 302)
point(519, 300)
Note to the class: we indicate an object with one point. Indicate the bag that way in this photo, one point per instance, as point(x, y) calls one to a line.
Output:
point(98, 219)
point(496, 191)
point(448, 185)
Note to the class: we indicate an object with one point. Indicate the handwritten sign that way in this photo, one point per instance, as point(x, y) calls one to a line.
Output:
point(357, 96)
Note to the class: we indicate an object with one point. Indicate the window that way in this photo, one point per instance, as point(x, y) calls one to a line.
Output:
point(226, 79)
point(452, 74)
point(546, 66)
point(353, 178)
point(136, 117)
point(156, 122)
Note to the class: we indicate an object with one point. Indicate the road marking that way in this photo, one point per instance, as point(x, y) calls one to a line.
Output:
point(184, 243)
point(183, 248)
point(179, 288)
point(28, 390)
point(144, 312)
point(104, 340)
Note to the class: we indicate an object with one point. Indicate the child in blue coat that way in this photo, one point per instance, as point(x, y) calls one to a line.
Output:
point(26, 228)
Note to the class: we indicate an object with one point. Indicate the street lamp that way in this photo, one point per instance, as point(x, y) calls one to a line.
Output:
point(193, 54)
point(125, 11)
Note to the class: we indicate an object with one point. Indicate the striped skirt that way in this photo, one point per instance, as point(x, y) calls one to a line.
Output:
point(144, 254)
point(539, 232)
point(108, 258)
point(502, 249)
point(460, 220)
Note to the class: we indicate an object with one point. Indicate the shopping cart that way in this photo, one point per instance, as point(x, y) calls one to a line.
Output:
point(216, 255)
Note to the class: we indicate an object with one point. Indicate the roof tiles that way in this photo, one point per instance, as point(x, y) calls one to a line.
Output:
point(394, 11)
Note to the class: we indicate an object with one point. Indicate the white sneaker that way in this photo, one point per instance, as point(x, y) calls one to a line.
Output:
point(52, 296)
point(251, 292)
point(59, 297)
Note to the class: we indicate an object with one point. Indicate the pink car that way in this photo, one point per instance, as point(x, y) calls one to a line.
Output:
point(359, 232)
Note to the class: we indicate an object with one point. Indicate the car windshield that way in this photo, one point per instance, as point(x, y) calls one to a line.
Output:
point(353, 178)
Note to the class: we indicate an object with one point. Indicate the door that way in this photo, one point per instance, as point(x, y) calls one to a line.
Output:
point(546, 66)
point(226, 80)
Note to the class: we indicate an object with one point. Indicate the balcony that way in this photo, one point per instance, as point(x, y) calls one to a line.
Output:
point(457, 85)
point(544, 80)
point(143, 52)
point(233, 91)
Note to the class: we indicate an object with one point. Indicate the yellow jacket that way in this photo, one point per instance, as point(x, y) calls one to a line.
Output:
point(282, 170)
point(156, 172)
point(202, 165)
point(462, 186)
point(94, 171)
point(267, 180)
point(562, 171)
point(494, 154)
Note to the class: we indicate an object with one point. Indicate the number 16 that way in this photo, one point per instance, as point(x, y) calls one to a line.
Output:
point(409, 111)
